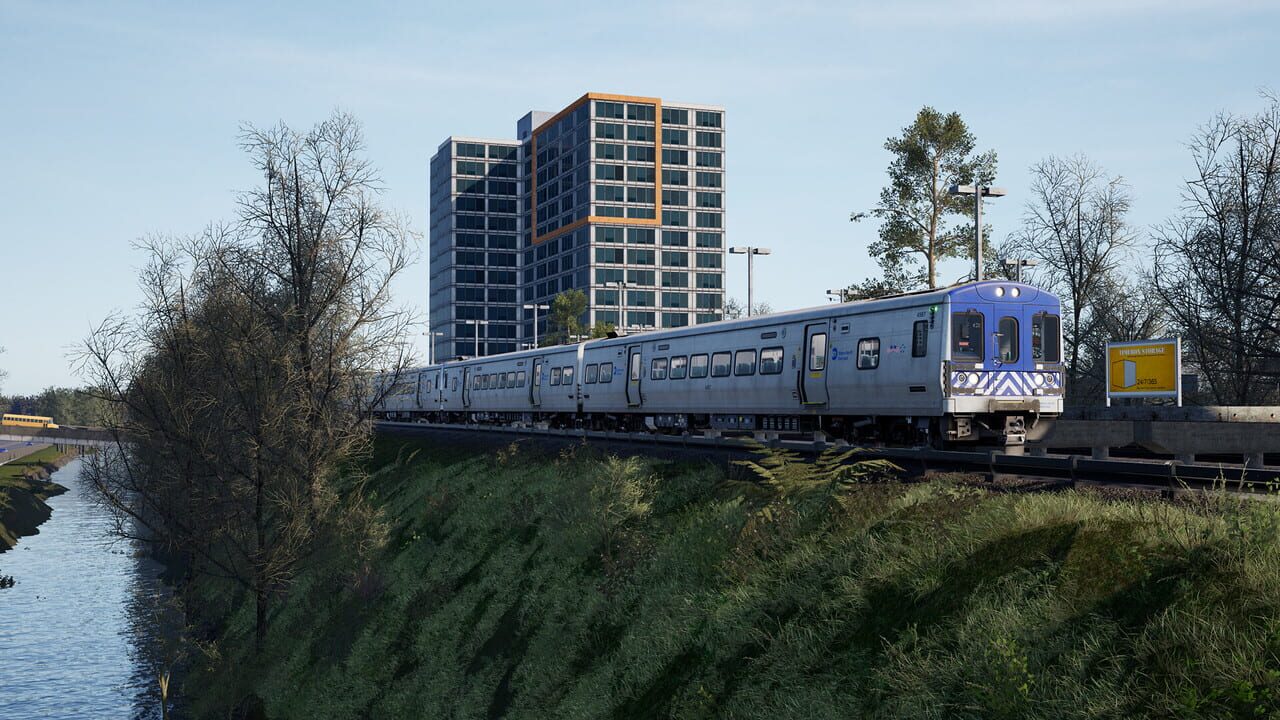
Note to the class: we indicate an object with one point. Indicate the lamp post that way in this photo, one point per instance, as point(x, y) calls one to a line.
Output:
point(477, 324)
point(1021, 263)
point(621, 285)
point(978, 192)
point(535, 307)
point(431, 345)
point(750, 252)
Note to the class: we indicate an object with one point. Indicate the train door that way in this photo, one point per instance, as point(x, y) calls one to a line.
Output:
point(634, 366)
point(535, 384)
point(417, 397)
point(466, 387)
point(813, 372)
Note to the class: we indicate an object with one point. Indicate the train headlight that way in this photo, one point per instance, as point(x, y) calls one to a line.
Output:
point(999, 292)
point(1015, 292)
point(962, 378)
point(1038, 379)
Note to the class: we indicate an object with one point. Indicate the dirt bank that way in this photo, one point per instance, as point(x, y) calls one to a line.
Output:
point(24, 489)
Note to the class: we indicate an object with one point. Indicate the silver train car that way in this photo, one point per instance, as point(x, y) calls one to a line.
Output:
point(973, 362)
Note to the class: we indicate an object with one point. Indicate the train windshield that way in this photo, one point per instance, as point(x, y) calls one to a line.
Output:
point(966, 336)
point(1046, 335)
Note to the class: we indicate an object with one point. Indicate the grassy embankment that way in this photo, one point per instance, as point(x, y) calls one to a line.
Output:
point(24, 488)
point(520, 585)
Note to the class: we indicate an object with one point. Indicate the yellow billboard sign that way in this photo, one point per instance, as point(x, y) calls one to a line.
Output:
point(1145, 368)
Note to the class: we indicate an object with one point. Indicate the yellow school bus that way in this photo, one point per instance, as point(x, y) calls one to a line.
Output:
point(31, 421)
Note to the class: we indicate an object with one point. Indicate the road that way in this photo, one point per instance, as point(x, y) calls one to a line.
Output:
point(11, 450)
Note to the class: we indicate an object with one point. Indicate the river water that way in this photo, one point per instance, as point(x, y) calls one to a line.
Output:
point(82, 630)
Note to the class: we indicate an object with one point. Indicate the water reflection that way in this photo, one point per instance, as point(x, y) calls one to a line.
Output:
point(80, 634)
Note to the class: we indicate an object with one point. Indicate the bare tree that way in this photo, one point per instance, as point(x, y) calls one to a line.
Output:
point(735, 308)
point(1075, 226)
point(1216, 262)
point(243, 386)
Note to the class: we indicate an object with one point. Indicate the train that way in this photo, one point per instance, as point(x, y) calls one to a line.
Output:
point(974, 363)
point(27, 421)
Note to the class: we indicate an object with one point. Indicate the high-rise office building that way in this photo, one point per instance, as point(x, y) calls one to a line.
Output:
point(620, 197)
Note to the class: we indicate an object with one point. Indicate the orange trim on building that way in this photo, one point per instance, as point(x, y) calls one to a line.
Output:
point(657, 164)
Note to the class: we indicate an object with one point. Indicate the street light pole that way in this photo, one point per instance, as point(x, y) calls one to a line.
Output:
point(978, 192)
point(750, 252)
point(1021, 263)
point(431, 346)
point(476, 324)
point(535, 307)
point(621, 285)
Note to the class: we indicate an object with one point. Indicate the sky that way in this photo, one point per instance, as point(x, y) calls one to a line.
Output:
point(119, 120)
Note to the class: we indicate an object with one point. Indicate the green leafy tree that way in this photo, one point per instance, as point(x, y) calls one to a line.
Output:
point(933, 153)
point(565, 320)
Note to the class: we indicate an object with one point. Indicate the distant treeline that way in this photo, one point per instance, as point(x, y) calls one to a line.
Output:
point(67, 406)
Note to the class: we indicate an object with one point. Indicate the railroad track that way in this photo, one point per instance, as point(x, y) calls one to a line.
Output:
point(1147, 473)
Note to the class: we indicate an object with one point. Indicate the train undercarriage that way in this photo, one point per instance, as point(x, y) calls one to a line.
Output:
point(1009, 429)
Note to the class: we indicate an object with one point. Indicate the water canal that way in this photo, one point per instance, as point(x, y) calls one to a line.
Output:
point(81, 631)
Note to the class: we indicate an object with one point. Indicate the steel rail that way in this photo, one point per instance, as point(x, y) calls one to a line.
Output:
point(1161, 474)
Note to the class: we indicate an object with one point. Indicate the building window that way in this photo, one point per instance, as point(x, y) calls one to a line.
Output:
point(673, 136)
point(675, 177)
point(675, 300)
point(640, 173)
point(608, 110)
point(608, 255)
point(675, 279)
point(673, 157)
point(708, 159)
point(675, 238)
point(609, 131)
point(643, 113)
point(640, 195)
point(709, 260)
point(708, 220)
point(607, 151)
point(675, 259)
point(710, 281)
point(640, 236)
point(709, 179)
point(675, 116)
point(640, 133)
point(708, 139)
point(675, 217)
point(705, 118)
point(641, 277)
point(675, 197)
point(709, 240)
point(640, 153)
point(610, 193)
point(709, 199)
point(708, 301)
point(609, 172)
point(640, 298)
point(641, 257)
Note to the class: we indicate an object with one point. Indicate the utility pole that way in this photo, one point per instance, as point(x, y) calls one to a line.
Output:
point(750, 252)
point(978, 192)
point(476, 324)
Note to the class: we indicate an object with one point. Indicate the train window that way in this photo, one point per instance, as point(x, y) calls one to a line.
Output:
point(475, 382)
point(1007, 339)
point(567, 376)
point(555, 376)
point(658, 369)
point(697, 366)
point(606, 372)
point(511, 379)
point(771, 361)
point(589, 374)
point(920, 338)
point(635, 366)
point(744, 362)
point(966, 336)
point(502, 381)
point(455, 383)
point(818, 351)
point(679, 367)
point(520, 378)
point(869, 353)
point(721, 364)
point(1045, 338)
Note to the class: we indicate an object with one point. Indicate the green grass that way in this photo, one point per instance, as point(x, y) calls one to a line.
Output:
point(520, 585)
point(22, 499)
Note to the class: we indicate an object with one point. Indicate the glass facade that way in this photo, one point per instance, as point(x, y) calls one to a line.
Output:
point(474, 247)
point(605, 195)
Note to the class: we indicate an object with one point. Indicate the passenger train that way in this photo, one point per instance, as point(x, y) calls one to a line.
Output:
point(976, 362)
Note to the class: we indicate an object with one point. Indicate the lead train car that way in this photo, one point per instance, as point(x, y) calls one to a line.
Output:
point(978, 361)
